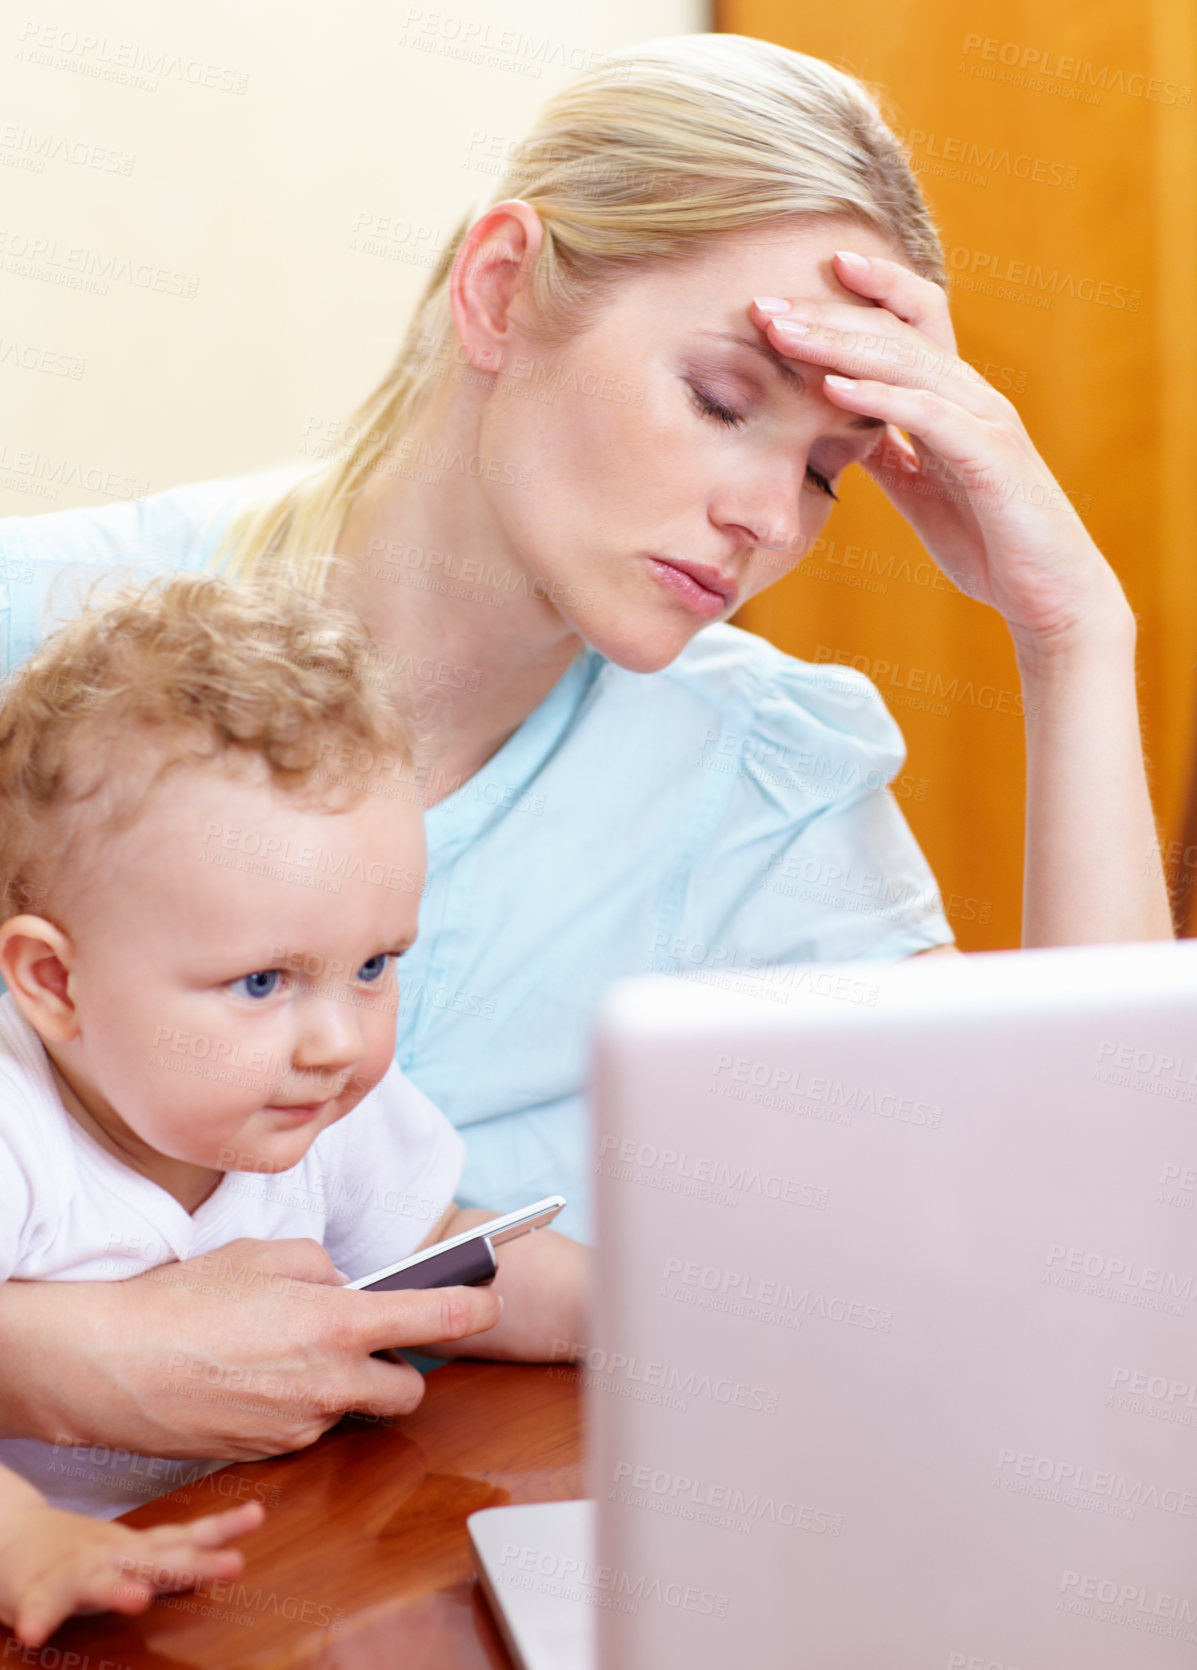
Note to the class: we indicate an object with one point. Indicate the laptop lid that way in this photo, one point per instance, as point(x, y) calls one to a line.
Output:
point(536, 1567)
point(895, 1357)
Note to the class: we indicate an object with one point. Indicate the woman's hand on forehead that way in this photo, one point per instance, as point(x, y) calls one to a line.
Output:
point(968, 479)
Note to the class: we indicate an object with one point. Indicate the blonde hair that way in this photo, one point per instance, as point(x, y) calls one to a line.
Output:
point(640, 160)
point(184, 669)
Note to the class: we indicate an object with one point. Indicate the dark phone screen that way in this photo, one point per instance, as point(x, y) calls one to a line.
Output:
point(471, 1265)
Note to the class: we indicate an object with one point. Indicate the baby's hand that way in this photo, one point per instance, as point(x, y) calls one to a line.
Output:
point(53, 1563)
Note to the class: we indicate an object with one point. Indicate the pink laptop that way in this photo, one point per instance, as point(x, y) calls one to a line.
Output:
point(895, 1365)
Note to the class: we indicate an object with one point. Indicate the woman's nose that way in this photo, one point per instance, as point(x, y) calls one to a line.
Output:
point(766, 513)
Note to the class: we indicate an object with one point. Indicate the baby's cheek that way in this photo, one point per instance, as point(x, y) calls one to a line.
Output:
point(378, 1054)
point(375, 1064)
point(227, 1144)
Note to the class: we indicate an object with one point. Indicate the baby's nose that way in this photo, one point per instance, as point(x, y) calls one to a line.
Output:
point(330, 1037)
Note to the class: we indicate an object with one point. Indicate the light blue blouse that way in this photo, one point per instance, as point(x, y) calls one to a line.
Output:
point(726, 813)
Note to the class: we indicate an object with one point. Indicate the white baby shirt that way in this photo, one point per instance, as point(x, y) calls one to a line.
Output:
point(369, 1189)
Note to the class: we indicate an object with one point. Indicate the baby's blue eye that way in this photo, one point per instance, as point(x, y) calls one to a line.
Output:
point(375, 968)
point(261, 984)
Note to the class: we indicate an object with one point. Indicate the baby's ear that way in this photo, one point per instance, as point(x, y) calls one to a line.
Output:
point(36, 959)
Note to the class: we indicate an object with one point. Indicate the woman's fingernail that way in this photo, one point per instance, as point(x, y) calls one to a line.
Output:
point(792, 327)
point(771, 304)
point(858, 263)
point(840, 382)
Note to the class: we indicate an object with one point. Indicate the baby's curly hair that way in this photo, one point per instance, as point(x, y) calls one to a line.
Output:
point(184, 669)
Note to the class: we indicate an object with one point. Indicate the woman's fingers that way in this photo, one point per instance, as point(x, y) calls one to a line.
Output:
point(895, 453)
point(967, 444)
point(917, 301)
point(423, 1316)
point(871, 343)
point(300, 1258)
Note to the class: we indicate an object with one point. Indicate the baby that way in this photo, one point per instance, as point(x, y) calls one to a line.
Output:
point(210, 862)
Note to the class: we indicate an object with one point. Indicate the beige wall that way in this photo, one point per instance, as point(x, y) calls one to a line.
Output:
point(215, 218)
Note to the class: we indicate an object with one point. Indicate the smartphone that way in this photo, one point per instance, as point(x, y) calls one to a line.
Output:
point(465, 1260)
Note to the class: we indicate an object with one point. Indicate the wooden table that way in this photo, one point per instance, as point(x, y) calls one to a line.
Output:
point(363, 1562)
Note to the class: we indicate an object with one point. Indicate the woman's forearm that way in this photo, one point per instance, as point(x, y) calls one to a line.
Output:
point(28, 1315)
point(1093, 868)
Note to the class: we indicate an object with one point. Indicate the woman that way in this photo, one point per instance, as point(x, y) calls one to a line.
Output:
point(595, 444)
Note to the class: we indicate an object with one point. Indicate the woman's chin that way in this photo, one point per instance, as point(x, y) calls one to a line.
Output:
point(647, 650)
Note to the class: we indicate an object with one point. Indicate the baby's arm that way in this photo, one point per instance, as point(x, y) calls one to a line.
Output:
point(542, 1281)
point(53, 1563)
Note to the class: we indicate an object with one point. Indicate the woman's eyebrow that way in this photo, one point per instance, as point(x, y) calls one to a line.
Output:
point(787, 369)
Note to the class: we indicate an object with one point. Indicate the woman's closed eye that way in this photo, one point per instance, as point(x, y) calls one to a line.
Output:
point(732, 419)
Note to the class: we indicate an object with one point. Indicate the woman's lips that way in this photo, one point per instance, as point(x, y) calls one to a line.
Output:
point(704, 590)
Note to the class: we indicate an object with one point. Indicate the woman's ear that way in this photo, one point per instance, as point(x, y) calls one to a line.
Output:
point(496, 257)
point(36, 960)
